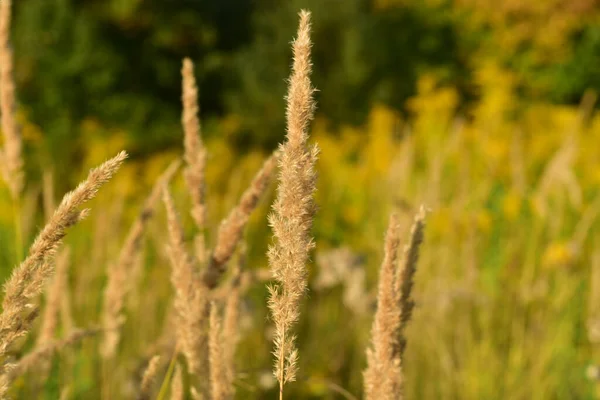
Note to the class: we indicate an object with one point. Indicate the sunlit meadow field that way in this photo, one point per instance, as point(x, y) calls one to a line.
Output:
point(507, 287)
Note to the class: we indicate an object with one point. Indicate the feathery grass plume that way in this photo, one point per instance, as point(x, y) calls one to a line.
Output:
point(177, 392)
point(383, 376)
point(12, 161)
point(190, 294)
point(381, 367)
point(148, 378)
point(232, 227)
point(137, 263)
point(56, 289)
point(194, 154)
point(293, 210)
point(119, 273)
point(28, 279)
point(405, 277)
point(220, 386)
point(41, 354)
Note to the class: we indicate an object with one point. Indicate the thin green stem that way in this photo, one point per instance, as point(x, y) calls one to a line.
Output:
point(165, 384)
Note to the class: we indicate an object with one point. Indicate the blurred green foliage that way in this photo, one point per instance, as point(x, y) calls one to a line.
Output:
point(117, 62)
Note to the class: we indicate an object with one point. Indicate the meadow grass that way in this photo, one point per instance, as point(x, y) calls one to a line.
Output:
point(497, 297)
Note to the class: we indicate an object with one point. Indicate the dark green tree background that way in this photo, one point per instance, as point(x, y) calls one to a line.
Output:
point(118, 61)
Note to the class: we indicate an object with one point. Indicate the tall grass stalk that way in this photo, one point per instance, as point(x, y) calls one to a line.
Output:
point(232, 227)
point(29, 278)
point(194, 155)
point(383, 378)
point(293, 211)
point(119, 273)
point(11, 155)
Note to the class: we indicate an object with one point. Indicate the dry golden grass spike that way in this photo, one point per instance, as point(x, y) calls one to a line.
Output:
point(232, 227)
point(220, 386)
point(29, 278)
point(194, 154)
point(149, 378)
point(381, 369)
point(12, 158)
point(405, 276)
point(119, 273)
point(190, 295)
point(383, 377)
point(41, 354)
point(293, 210)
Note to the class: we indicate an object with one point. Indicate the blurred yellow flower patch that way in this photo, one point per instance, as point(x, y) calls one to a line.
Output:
point(558, 254)
point(440, 222)
point(483, 219)
point(512, 205)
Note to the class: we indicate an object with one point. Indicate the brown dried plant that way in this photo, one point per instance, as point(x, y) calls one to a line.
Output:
point(382, 367)
point(231, 229)
point(383, 377)
point(293, 210)
point(404, 279)
point(12, 161)
point(220, 385)
point(194, 155)
point(28, 279)
point(192, 288)
point(191, 295)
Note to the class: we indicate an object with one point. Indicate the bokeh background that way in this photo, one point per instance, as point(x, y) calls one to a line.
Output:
point(485, 111)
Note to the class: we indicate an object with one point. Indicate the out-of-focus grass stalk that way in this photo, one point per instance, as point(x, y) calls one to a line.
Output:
point(165, 383)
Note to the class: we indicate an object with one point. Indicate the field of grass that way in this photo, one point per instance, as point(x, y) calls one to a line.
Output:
point(506, 289)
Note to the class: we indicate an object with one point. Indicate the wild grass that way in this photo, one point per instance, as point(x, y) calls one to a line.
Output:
point(495, 299)
point(293, 211)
